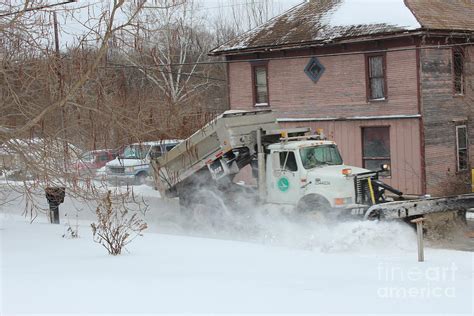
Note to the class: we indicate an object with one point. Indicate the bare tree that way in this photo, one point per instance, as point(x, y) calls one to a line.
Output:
point(39, 87)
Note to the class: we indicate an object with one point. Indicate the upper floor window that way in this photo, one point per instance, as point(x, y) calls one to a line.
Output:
point(376, 78)
point(260, 82)
point(462, 150)
point(376, 148)
point(458, 71)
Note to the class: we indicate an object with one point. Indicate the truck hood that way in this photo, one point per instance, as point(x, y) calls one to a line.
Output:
point(126, 162)
point(331, 183)
point(334, 171)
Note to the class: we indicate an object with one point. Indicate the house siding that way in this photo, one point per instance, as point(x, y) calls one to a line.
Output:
point(442, 111)
point(240, 85)
point(340, 92)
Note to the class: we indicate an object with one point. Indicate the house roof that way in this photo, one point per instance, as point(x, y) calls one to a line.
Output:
point(329, 21)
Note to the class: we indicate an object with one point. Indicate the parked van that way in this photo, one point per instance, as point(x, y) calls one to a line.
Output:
point(132, 166)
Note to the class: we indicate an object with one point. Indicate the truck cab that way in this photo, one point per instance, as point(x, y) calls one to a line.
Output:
point(299, 171)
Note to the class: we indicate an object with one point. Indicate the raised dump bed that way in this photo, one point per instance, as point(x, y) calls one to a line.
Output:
point(225, 134)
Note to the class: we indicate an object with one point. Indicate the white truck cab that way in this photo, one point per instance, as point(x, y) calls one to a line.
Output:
point(133, 165)
point(309, 168)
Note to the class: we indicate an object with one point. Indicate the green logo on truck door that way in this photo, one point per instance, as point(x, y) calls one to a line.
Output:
point(283, 184)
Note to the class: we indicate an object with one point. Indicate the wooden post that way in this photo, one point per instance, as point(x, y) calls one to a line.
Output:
point(419, 234)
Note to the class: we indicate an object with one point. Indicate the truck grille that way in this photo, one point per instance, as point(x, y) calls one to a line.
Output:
point(362, 188)
point(117, 170)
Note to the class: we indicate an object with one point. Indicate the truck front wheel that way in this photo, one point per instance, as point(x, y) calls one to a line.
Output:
point(315, 207)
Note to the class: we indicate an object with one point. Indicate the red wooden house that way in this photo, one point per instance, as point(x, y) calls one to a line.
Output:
point(390, 81)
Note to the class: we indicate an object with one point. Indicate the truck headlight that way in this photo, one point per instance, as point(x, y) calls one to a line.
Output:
point(129, 169)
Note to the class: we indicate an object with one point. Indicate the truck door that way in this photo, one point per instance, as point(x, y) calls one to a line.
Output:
point(283, 187)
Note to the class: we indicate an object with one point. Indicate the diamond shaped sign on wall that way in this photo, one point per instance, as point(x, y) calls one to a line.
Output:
point(314, 69)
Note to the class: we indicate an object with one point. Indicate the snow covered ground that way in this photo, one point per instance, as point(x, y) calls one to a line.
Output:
point(272, 265)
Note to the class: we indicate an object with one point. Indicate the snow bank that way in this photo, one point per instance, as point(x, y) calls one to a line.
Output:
point(44, 273)
point(275, 263)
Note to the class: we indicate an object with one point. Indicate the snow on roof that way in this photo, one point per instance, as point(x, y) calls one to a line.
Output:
point(368, 12)
point(323, 21)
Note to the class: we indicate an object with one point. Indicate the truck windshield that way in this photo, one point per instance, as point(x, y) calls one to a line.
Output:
point(135, 152)
point(313, 157)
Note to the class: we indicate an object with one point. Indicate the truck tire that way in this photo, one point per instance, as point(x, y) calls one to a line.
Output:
point(315, 207)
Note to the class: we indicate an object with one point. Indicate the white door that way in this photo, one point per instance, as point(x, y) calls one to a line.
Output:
point(283, 178)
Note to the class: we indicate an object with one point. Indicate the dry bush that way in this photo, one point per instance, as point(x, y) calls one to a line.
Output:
point(115, 227)
point(454, 184)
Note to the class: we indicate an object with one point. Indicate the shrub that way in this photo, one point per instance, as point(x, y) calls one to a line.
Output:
point(115, 227)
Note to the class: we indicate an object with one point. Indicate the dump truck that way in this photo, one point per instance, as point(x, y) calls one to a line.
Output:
point(293, 167)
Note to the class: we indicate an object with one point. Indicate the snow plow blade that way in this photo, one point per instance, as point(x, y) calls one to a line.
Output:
point(409, 209)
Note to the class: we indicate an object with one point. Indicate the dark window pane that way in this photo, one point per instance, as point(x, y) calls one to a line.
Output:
point(458, 67)
point(169, 147)
point(103, 157)
point(155, 152)
point(462, 147)
point(462, 137)
point(376, 142)
point(463, 159)
point(376, 148)
point(288, 161)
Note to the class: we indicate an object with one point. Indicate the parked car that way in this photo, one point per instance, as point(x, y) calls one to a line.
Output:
point(133, 164)
point(89, 162)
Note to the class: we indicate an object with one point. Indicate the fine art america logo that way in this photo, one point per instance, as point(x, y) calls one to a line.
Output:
point(415, 282)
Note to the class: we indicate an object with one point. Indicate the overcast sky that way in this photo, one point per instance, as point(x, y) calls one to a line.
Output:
point(70, 24)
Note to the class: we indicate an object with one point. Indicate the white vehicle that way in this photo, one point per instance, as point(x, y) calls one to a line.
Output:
point(293, 169)
point(133, 165)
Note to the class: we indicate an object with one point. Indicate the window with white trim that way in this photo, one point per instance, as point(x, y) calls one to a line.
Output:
point(462, 148)
point(260, 85)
